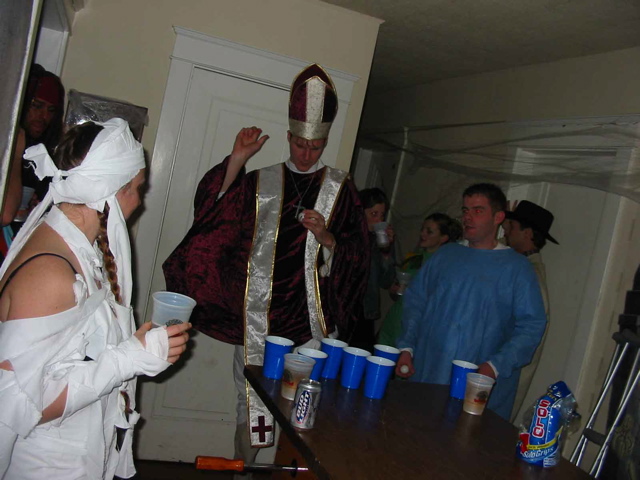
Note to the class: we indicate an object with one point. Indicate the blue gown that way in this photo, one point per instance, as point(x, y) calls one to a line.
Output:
point(474, 305)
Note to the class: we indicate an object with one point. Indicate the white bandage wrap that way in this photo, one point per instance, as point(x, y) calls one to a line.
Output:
point(7, 440)
point(157, 342)
point(88, 381)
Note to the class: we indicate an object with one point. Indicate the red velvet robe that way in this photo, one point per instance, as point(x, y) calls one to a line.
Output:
point(210, 264)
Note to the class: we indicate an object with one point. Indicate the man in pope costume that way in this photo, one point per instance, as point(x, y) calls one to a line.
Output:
point(278, 251)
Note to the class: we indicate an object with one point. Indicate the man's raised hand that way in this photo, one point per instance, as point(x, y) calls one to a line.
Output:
point(248, 143)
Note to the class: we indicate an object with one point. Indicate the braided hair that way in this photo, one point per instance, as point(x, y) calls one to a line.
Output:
point(107, 256)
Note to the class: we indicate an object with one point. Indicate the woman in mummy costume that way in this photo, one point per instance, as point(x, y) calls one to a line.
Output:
point(69, 349)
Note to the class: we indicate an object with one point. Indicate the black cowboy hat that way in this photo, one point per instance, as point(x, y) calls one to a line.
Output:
point(540, 219)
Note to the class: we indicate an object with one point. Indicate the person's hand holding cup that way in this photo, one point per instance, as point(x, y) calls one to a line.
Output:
point(172, 311)
point(178, 338)
point(458, 383)
point(477, 393)
point(385, 235)
point(403, 279)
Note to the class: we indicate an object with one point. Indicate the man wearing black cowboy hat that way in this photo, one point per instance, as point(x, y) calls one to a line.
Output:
point(526, 230)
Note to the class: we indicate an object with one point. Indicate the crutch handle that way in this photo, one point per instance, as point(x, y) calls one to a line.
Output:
point(618, 337)
point(218, 463)
point(631, 338)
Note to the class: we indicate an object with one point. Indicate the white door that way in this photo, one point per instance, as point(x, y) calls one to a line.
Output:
point(214, 89)
point(194, 407)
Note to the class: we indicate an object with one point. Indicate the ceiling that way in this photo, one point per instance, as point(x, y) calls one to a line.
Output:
point(425, 40)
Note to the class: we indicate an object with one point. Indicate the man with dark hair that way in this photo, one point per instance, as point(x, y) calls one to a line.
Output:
point(43, 107)
point(278, 251)
point(526, 230)
point(480, 303)
point(493, 193)
point(41, 119)
point(40, 122)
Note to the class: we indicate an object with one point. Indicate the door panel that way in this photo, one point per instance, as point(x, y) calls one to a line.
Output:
point(190, 410)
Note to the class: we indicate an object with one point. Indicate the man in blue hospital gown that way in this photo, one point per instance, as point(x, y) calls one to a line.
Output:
point(478, 302)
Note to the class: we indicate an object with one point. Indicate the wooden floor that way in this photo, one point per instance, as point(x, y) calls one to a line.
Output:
point(149, 470)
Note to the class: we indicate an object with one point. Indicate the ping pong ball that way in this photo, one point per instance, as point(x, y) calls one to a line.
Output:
point(404, 369)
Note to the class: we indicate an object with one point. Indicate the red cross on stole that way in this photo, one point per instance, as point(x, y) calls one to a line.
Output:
point(262, 428)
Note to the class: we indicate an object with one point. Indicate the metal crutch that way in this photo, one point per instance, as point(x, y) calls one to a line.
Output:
point(624, 341)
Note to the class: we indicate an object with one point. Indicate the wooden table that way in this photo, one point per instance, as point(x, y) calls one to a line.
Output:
point(415, 431)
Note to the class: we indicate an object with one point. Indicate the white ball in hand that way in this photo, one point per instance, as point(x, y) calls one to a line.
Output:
point(404, 369)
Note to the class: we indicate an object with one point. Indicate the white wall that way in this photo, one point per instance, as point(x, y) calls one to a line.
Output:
point(121, 48)
point(596, 85)
point(50, 49)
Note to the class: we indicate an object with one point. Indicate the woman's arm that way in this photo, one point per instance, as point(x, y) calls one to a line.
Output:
point(178, 338)
point(88, 381)
point(44, 287)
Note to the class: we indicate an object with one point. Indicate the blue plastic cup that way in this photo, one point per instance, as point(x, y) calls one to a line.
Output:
point(386, 351)
point(354, 361)
point(333, 348)
point(319, 356)
point(459, 377)
point(275, 349)
point(378, 373)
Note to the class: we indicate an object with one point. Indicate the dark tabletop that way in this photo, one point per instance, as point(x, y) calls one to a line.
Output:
point(415, 431)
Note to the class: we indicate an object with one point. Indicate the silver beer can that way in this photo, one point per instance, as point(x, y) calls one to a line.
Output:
point(305, 404)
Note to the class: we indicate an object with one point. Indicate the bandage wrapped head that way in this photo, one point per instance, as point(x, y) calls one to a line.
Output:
point(113, 160)
point(115, 157)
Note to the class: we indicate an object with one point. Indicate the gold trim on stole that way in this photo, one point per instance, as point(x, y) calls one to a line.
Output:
point(329, 190)
point(258, 291)
point(269, 198)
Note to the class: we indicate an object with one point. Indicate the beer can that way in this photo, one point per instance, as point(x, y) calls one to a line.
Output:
point(305, 404)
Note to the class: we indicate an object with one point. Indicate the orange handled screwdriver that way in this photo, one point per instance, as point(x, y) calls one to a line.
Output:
point(221, 464)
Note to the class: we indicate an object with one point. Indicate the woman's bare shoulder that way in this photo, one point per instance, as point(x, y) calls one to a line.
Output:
point(43, 285)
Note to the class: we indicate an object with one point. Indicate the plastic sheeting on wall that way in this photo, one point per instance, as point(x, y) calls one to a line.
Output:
point(601, 153)
point(83, 107)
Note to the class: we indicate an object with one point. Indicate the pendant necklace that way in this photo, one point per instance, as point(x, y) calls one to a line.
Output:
point(300, 207)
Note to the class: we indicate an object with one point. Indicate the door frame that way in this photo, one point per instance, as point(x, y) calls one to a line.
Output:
point(196, 50)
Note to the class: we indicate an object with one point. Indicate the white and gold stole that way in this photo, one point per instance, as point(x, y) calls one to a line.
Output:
point(269, 195)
